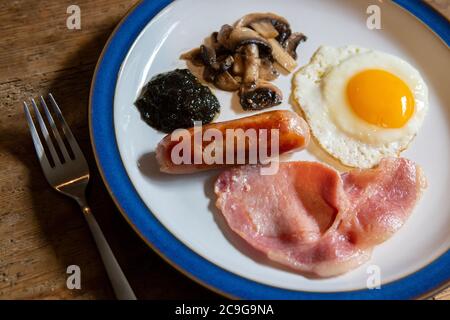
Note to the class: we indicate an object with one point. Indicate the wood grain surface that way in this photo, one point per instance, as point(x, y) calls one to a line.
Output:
point(42, 232)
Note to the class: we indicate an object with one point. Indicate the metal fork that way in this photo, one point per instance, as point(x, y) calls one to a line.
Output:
point(70, 176)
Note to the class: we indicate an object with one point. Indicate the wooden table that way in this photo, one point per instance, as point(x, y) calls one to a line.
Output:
point(42, 232)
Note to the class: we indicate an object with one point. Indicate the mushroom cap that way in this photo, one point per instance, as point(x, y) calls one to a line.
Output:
point(208, 55)
point(261, 96)
point(242, 36)
point(248, 19)
point(223, 36)
point(292, 43)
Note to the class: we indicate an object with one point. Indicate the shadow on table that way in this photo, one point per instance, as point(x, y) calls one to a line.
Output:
point(59, 217)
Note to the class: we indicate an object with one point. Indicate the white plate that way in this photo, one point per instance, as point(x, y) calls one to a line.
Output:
point(185, 204)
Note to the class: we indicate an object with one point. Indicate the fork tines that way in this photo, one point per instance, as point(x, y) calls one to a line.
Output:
point(67, 151)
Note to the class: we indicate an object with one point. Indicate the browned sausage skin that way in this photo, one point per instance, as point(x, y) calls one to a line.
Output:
point(293, 135)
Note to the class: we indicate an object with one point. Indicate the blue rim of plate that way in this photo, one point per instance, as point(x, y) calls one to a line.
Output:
point(428, 279)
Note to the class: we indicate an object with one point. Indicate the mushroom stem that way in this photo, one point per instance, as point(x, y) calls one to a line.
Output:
point(225, 62)
point(208, 55)
point(223, 37)
point(267, 71)
point(292, 43)
point(252, 63)
point(265, 28)
point(226, 81)
point(238, 65)
point(281, 56)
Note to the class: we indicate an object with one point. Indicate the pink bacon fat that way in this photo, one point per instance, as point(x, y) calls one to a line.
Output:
point(310, 218)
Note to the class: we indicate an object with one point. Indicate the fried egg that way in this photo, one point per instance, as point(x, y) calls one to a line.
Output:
point(361, 105)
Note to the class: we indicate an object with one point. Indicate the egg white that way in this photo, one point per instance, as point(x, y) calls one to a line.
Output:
point(320, 91)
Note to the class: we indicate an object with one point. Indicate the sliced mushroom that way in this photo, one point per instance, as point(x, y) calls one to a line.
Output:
point(268, 24)
point(284, 31)
point(209, 58)
point(245, 56)
point(252, 63)
point(225, 62)
point(263, 95)
point(281, 56)
point(280, 25)
point(292, 43)
point(218, 47)
point(209, 74)
point(265, 28)
point(214, 40)
point(267, 70)
point(238, 65)
point(226, 81)
point(241, 37)
point(248, 19)
point(223, 36)
point(194, 56)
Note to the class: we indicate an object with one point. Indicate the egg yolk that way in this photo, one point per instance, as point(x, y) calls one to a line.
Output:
point(380, 98)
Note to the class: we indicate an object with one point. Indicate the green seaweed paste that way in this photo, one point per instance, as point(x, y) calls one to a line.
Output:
point(175, 100)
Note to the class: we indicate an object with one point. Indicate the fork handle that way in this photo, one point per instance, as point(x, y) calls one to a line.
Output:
point(118, 280)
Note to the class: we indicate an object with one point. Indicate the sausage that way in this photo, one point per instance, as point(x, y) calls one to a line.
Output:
point(293, 135)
